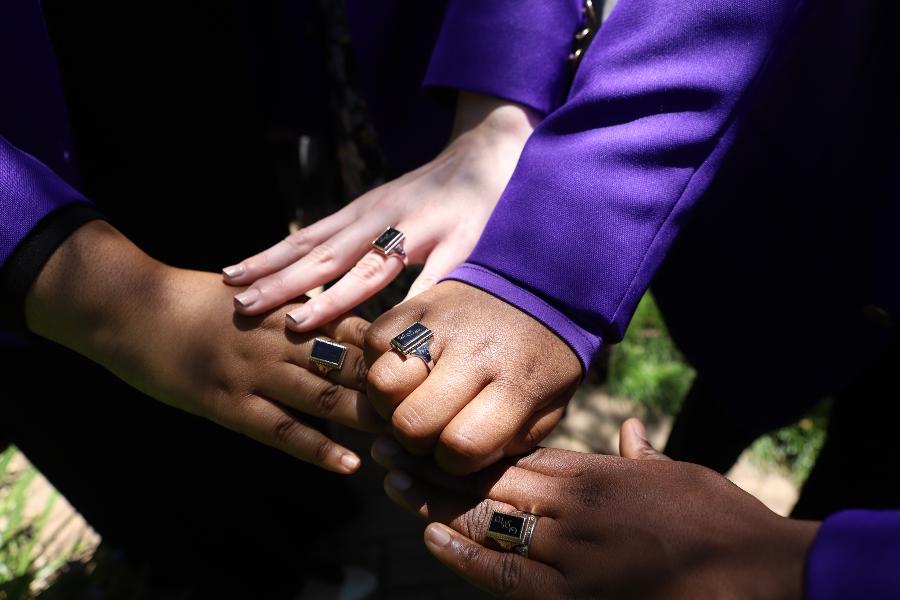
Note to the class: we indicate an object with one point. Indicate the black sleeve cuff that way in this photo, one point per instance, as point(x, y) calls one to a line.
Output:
point(27, 260)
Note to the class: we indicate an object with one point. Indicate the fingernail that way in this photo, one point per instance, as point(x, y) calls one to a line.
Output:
point(234, 271)
point(350, 462)
point(385, 448)
point(399, 481)
point(247, 298)
point(298, 316)
point(437, 535)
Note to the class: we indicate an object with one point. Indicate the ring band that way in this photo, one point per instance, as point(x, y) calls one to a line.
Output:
point(390, 242)
point(512, 531)
point(415, 340)
point(327, 355)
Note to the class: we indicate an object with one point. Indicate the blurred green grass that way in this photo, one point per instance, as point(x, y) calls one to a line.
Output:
point(648, 369)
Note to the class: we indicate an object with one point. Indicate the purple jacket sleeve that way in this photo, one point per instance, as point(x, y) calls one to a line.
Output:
point(512, 49)
point(855, 555)
point(29, 191)
point(606, 181)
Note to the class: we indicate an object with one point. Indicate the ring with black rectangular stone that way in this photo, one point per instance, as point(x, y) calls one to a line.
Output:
point(512, 532)
point(415, 340)
point(327, 355)
point(390, 242)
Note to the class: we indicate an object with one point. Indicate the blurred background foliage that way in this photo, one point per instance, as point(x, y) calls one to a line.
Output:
point(647, 368)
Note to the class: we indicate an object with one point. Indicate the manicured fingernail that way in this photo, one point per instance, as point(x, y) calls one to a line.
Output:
point(247, 298)
point(399, 481)
point(350, 462)
point(385, 448)
point(298, 316)
point(437, 535)
point(234, 271)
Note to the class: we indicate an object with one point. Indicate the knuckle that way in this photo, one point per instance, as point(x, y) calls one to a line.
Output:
point(508, 574)
point(368, 268)
point(463, 446)
point(327, 400)
point(321, 255)
point(284, 430)
point(377, 380)
point(298, 240)
point(360, 372)
point(374, 336)
point(476, 520)
point(321, 450)
point(407, 424)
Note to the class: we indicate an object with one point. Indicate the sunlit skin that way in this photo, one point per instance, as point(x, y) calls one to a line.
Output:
point(635, 526)
point(442, 207)
point(173, 334)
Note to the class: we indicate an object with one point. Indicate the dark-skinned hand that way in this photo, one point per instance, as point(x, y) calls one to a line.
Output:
point(500, 382)
point(639, 526)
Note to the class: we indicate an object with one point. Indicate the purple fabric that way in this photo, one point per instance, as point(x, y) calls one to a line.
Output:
point(513, 49)
point(607, 180)
point(29, 191)
point(35, 146)
point(855, 555)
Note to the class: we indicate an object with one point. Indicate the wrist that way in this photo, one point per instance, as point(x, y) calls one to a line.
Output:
point(93, 288)
point(493, 118)
point(783, 553)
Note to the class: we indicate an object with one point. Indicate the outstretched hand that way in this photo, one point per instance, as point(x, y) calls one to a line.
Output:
point(442, 208)
point(640, 526)
point(173, 334)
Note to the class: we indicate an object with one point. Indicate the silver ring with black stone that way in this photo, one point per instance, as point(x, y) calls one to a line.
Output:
point(512, 532)
point(327, 355)
point(415, 340)
point(390, 242)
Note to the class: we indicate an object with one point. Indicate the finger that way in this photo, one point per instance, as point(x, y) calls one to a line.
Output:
point(443, 259)
point(424, 412)
point(370, 275)
point(391, 379)
point(274, 425)
point(469, 516)
point(347, 329)
point(352, 374)
point(554, 462)
point(479, 433)
point(537, 428)
point(310, 394)
point(519, 487)
point(503, 574)
point(633, 442)
point(324, 262)
point(290, 249)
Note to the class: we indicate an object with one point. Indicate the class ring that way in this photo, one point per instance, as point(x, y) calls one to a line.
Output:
point(415, 340)
point(327, 355)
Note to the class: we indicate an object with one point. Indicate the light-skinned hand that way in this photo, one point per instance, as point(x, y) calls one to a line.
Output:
point(441, 207)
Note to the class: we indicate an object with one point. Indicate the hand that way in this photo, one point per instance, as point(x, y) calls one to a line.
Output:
point(500, 382)
point(640, 526)
point(173, 335)
point(442, 208)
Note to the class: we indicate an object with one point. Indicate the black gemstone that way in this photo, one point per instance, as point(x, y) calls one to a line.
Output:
point(508, 525)
point(329, 353)
point(410, 337)
point(384, 240)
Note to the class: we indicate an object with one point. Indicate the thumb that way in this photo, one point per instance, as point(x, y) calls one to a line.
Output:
point(633, 442)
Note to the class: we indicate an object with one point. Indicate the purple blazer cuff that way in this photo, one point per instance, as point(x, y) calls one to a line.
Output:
point(29, 191)
point(583, 343)
point(512, 49)
point(855, 555)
